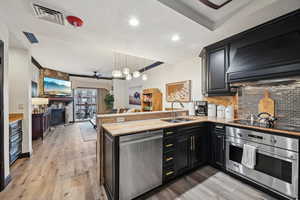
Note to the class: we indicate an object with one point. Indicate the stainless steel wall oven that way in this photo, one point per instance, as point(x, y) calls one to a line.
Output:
point(276, 165)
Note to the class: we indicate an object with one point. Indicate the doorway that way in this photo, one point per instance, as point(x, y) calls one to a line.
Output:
point(85, 103)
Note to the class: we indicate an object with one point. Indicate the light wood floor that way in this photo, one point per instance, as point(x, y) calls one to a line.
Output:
point(63, 167)
point(208, 183)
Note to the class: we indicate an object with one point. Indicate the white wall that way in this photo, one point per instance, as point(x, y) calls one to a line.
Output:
point(35, 76)
point(4, 36)
point(159, 77)
point(120, 92)
point(20, 76)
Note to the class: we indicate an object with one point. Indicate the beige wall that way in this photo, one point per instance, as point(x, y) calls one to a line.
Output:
point(159, 77)
point(20, 91)
point(4, 37)
point(78, 82)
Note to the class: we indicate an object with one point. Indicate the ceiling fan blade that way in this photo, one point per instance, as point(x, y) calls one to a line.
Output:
point(213, 5)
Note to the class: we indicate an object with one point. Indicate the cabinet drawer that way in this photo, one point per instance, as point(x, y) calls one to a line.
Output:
point(169, 158)
point(169, 144)
point(220, 128)
point(169, 173)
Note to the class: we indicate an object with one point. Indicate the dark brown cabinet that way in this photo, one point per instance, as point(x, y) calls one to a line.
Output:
point(267, 51)
point(215, 64)
point(40, 125)
point(182, 154)
point(186, 148)
point(199, 148)
point(110, 166)
point(218, 146)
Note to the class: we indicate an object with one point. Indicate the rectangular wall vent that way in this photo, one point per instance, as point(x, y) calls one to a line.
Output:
point(48, 14)
point(31, 37)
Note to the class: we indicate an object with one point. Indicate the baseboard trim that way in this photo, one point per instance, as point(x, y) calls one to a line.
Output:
point(25, 155)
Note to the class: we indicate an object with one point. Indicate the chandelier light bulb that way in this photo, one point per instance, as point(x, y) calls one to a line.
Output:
point(144, 77)
point(126, 70)
point(136, 74)
point(128, 77)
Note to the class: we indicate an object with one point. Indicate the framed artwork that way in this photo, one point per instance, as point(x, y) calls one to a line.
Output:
point(135, 95)
point(34, 89)
point(179, 91)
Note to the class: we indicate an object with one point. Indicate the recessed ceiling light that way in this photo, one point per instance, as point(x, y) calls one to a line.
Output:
point(175, 38)
point(134, 21)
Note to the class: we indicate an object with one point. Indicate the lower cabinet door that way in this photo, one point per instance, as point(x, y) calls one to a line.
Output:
point(199, 150)
point(219, 150)
point(182, 154)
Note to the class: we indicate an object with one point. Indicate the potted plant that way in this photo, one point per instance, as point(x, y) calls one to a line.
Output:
point(109, 101)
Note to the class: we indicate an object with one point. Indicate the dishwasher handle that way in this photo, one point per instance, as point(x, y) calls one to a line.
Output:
point(145, 139)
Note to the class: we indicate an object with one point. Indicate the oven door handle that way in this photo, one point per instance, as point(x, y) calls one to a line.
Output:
point(292, 158)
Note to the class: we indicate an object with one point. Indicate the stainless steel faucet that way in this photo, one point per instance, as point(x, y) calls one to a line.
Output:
point(172, 107)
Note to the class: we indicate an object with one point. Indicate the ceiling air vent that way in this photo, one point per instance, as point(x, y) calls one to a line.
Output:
point(48, 14)
point(31, 37)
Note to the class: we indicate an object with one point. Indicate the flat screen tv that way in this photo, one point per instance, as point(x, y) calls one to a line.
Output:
point(56, 87)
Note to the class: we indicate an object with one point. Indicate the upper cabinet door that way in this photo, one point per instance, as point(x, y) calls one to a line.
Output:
point(217, 65)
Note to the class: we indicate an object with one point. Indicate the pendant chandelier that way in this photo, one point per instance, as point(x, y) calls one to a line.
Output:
point(121, 69)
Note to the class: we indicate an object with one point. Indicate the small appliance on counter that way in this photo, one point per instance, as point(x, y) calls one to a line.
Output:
point(229, 113)
point(200, 108)
point(212, 110)
point(221, 111)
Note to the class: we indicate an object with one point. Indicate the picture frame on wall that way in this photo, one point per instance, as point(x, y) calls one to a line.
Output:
point(135, 95)
point(179, 91)
point(34, 89)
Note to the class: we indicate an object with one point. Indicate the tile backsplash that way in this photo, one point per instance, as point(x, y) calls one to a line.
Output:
point(286, 97)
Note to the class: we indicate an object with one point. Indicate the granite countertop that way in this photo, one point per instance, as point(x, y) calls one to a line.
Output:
point(123, 128)
point(15, 117)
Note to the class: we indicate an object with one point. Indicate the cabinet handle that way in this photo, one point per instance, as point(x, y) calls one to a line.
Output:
point(192, 143)
point(170, 158)
point(219, 127)
point(169, 133)
point(169, 173)
point(169, 145)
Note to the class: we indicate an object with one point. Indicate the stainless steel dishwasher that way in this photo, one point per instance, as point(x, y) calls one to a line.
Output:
point(140, 163)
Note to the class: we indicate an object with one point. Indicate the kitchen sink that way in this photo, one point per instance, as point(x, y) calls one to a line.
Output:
point(177, 120)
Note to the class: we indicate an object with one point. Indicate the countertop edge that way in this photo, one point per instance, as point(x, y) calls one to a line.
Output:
point(169, 125)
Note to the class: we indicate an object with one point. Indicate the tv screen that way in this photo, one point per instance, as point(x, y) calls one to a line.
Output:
point(56, 87)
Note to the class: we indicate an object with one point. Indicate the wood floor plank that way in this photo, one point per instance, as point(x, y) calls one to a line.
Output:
point(62, 166)
point(208, 183)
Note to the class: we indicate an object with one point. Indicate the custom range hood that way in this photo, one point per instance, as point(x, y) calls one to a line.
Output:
point(269, 51)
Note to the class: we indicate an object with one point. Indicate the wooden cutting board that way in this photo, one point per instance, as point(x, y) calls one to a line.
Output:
point(267, 104)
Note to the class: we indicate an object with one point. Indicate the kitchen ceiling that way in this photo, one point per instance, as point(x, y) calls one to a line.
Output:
point(106, 29)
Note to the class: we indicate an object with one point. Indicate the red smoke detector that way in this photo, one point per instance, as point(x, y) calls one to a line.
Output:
point(75, 21)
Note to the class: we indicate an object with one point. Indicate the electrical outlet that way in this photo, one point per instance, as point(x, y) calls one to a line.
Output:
point(120, 119)
point(21, 106)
